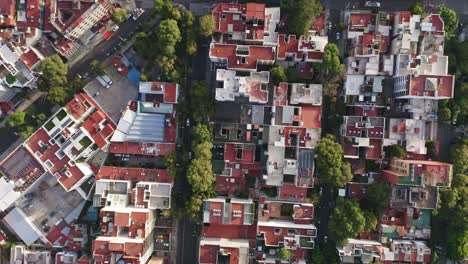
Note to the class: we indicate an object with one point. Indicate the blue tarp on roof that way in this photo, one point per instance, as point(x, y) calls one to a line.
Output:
point(134, 76)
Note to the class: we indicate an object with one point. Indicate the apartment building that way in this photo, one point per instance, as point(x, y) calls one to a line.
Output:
point(228, 231)
point(129, 198)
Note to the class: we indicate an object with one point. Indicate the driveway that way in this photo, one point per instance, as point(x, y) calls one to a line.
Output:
point(114, 99)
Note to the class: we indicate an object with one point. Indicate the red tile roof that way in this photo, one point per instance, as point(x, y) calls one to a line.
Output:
point(437, 23)
point(239, 153)
point(255, 10)
point(311, 116)
point(224, 14)
point(209, 253)
point(30, 58)
point(318, 24)
point(134, 174)
point(58, 164)
point(421, 86)
point(404, 16)
point(32, 15)
point(281, 94)
point(360, 20)
point(140, 148)
point(274, 239)
point(7, 8)
point(170, 93)
point(255, 56)
point(290, 191)
point(229, 232)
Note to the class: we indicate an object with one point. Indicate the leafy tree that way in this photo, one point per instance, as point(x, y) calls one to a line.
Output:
point(203, 150)
point(57, 96)
point(431, 151)
point(202, 103)
point(330, 165)
point(191, 46)
point(284, 254)
point(325, 254)
point(97, 68)
point(445, 114)
point(143, 77)
point(187, 19)
point(459, 155)
point(450, 18)
point(457, 234)
point(376, 199)
point(119, 15)
point(200, 176)
point(394, 151)
point(206, 25)
point(201, 133)
point(347, 220)
point(371, 221)
point(17, 119)
point(193, 206)
point(278, 75)
point(331, 59)
point(171, 163)
point(75, 86)
point(166, 9)
point(40, 118)
point(53, 73)
point(142, 44)
point(301, 14)
point(168, 35)
point(26, 131)
point(418, 9)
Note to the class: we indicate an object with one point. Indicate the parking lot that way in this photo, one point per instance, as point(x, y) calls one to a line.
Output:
point(114, 99)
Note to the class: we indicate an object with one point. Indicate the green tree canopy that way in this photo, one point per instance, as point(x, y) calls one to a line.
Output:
point(331, 168)
point(394, 151)
point(53, 73)
point(170, 161)
point(201, 133)
point(371, 221)
point(203, 150)
point(450, 18)
point(278, 74)
point(119, 15)
point(284, 254)
point(191, 45)
point(377, 198)
point(459, 155)
point(418, 9)
point(57, 96)
point(206, 25)
point(301, 14)
point(167, 36)
point(97, 68)
point(17, 119)
point(347, 220)
point(331, 59)
point(202, 103)
point(201, 178)
point(445, 114)
point(26, 131)
point(166, 9)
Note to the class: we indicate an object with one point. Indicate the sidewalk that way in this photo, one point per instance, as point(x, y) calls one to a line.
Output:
point(25, 104)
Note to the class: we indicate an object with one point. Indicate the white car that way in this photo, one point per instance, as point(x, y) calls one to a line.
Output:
point(337, 35)
point(115, 28)
point(372, 4)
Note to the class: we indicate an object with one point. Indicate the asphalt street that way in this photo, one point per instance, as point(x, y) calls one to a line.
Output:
point(187, 240)
point(100, 52)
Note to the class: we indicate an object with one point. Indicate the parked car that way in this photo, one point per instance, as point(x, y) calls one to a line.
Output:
point(372, 4)
point(103, 82)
